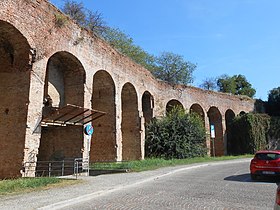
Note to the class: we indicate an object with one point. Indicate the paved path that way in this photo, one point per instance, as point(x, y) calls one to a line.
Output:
point(92, 187)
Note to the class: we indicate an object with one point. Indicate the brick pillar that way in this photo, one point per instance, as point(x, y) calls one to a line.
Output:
point(142, 134)
point(208, 139)
point(224, 134)
point(118, 124)
point(33, 130)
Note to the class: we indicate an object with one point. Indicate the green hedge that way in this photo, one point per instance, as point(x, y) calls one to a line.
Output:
point(249, 133)
point(178, 135)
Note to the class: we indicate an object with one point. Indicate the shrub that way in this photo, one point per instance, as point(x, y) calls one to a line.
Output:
point(249, 133)
point(60, 20)
point(178, 135)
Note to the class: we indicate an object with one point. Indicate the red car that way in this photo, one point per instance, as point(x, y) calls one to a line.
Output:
point(265, 163)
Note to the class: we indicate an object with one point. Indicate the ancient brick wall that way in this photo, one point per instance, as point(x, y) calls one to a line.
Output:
point(43, 52)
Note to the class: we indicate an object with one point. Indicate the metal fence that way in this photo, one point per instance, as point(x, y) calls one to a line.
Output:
point(76, 166)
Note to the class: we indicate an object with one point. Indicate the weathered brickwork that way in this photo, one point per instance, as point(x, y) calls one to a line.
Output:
point(43, 55)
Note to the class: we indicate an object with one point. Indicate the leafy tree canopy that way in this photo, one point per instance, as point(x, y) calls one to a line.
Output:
point(237, 85)
point(125, 45)
point(174, 69)
point(273, 102)
point(168, 66)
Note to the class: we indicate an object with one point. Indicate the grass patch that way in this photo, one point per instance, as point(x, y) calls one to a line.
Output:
point(154, 163)
point(13, 186)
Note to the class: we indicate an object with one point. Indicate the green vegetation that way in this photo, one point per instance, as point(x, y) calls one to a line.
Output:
point(178, 135)
point(248, 133)
point(237, 85)
point(173, 68)
point(273, 102)
point(251, 132)
point(155, 163)
point(14, 186)
point(10, 186)
point(124, 44)
point(84, 17)
point(168, 66)
point(274, 128)
point(60, 20)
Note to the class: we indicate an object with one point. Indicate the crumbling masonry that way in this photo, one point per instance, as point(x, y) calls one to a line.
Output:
point(47, 61)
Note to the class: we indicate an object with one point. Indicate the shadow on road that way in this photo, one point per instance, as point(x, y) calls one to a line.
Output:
point(247, 178)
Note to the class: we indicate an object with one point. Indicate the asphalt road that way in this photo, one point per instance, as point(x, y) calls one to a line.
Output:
point(223, 185)
point(217, 186)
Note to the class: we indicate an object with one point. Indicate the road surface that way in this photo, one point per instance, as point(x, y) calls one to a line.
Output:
point(208, 186)
point(215, 185)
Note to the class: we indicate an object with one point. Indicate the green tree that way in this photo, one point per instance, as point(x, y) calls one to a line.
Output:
point(243, 87)
point(173, 68)
point(273, 102)
point(226, 84)
point(237, 85)
point(168, 67)
point(115, 37)
point(124, 44)
point(209, 83)
point(178, 135)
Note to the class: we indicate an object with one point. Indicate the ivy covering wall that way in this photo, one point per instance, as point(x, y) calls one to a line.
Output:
point(252, 132)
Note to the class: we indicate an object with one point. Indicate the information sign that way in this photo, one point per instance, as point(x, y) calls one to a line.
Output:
point(212, 131)
point(89, 130)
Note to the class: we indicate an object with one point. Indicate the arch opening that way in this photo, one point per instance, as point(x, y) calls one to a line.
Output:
point(147, 106)
point(196, 108)
point(242, 113)
point(173, 103)
point(130, 126)
point(104, 145)
point(15, 72)
point(64, 84)
point(215, 118)
point(228, 134)
point(65, 78)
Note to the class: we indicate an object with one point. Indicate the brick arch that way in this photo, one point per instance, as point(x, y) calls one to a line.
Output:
point(64, 84)
point(15, 72)
point(65, 79)
point(215, 118)
point(103, 99)
point(173, 103)
point(130, 126)
point(147, 106)
point(42, 35)
point(199, 110)
point(15, 49)
point(242, 112)
point(229, 116)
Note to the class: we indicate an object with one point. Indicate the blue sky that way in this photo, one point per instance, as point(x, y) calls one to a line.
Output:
point(220, 36)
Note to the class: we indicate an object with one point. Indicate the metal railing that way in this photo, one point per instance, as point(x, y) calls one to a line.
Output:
point(76, 166)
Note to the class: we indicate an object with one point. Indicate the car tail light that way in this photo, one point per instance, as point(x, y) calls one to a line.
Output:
point(254, 161)
point(278, 196)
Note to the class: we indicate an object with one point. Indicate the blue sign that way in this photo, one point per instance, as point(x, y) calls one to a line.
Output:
point(212, 131)
point(89, 130)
